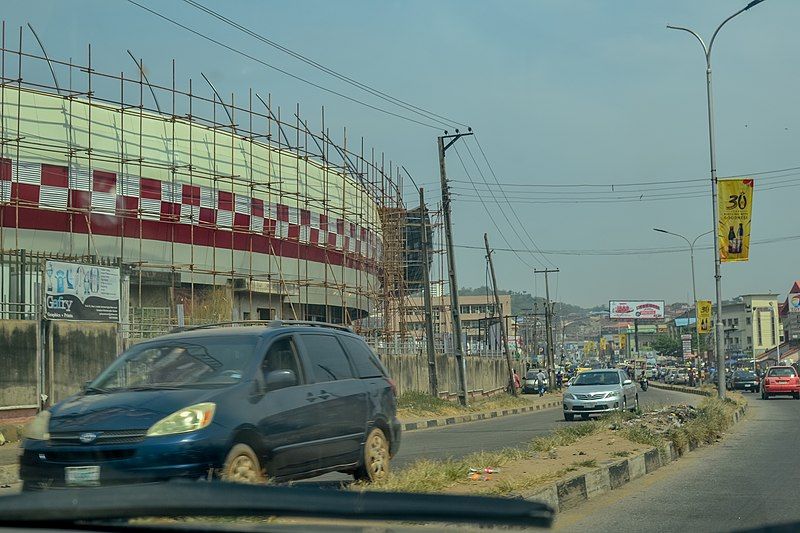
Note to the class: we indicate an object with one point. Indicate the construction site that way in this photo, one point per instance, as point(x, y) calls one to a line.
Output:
point(206, 208)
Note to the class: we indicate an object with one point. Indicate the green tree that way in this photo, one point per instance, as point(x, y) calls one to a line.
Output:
point(667, 345)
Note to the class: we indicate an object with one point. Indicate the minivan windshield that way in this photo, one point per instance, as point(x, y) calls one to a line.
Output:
point(597, 378)
point(201, 362)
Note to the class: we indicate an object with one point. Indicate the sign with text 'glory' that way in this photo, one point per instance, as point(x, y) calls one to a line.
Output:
point(636, 309)
point(76, 291)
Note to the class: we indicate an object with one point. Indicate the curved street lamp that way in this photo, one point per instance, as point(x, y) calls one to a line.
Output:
point(717, 275)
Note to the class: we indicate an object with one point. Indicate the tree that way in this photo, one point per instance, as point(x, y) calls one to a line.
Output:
point(667, 345)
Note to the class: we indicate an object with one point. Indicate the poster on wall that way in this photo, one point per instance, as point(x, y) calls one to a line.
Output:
point(75, 291)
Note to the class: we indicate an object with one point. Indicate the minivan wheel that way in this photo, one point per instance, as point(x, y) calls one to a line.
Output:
point(375, 458)
point(242, 466)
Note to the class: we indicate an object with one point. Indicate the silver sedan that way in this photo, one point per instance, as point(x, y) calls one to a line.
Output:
point(600, 391)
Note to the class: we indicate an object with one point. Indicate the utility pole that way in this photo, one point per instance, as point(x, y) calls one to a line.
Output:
point(426, 293)
point(503, 333)
point(455, 311)
point(548, 319)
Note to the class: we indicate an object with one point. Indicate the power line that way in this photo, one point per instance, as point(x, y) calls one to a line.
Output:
point(502, 190)
point(430, 115)
point(629, 251)
point(489, 213)
point(282, 71)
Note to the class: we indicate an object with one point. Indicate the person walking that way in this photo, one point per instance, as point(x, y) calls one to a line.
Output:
point(517, 382)
point(540, 380)
point(559, 379)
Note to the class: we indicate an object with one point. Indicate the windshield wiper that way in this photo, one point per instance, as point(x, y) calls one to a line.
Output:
point(59, 508)
point(150, 387)
point(96, 390)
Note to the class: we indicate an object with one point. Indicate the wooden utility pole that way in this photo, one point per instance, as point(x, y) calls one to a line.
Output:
point(455, 311)
point(503, 333)
point(548, 319)
point(426, 292)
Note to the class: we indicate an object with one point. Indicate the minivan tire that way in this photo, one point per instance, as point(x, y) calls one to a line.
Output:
point(374, 458)
point(243, 466)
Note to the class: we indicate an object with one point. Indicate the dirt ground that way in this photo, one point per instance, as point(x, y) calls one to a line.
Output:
point(585, 454)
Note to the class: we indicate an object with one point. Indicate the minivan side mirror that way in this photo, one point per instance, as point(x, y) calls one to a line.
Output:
point(627, 382)
point(279, 379)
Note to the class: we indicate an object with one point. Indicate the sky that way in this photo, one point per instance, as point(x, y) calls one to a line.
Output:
point(558, 92)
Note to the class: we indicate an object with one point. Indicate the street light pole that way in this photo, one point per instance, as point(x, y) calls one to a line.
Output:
point(694, 285)
point(715, 209)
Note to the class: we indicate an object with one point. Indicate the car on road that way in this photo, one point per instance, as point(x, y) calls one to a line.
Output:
point(780, 380)
point(599, 391)
point(281, 400)
point(529, 384)
point(681, 377)
point(746, 380)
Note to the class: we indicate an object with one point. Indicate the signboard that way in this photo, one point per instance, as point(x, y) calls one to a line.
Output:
point(735, 215)
point(703, 311)
point(636, 309)
point(794, 303)
point(75, 291)
point(621, 341)
point(686, 340)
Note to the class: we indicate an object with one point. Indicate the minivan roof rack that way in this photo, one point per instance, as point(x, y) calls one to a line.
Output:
point(267, 323)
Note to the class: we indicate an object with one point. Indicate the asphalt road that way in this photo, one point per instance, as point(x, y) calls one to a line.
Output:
point(747, 480)
point(492, 434)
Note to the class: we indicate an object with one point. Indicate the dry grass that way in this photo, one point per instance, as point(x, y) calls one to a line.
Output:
point(411, 405)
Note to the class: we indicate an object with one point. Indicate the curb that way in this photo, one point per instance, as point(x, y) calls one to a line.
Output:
point(462, 419)
point(571, 492)
point(681, 388)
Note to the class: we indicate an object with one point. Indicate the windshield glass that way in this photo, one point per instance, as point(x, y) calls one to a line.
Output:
point(597, 378)
point(745, 374)
point(781, 372)
point(530, 375)
point(199, 362)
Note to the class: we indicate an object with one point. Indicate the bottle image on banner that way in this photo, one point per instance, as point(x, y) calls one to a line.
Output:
point(49, 277)
point(731, 241)
point(740, 239)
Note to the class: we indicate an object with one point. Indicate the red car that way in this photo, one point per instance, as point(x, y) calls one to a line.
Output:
point(781, 380)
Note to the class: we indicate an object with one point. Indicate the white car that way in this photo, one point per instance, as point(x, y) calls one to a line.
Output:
point(599, 391)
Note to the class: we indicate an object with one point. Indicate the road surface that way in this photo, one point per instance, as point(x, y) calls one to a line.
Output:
point(747, 480)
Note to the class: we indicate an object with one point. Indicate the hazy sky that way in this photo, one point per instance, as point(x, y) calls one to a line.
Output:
point(558, 91)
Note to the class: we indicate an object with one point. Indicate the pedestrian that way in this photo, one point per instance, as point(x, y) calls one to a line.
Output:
point(559, 379)
point(691, 377)
point(540, 379)
point(517, 382)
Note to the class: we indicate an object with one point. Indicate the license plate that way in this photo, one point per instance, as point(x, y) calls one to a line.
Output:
point(82, 475)
point(782, 381)
point(589, 405)
point(747, 385)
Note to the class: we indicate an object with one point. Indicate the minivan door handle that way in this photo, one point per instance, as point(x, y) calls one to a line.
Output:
point(323, 395)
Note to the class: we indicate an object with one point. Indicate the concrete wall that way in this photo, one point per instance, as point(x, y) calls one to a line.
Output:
point(17, 363)
point(410, 373)
point(80, 351)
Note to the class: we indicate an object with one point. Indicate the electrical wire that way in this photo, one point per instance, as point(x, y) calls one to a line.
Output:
point(502, 190)
point(630, 251)
point(282, 71)
point(430, 115)
point(489, 213)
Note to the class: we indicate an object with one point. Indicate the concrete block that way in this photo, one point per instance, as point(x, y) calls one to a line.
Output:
point(547, 495)
point(450, 420)
point(597, 482)
point(571, 492)
point(618, 474)
point(652, 461)
point(432, 423)
point(636, 466)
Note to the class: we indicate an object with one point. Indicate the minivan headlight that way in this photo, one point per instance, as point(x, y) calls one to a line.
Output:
point(38, 428)
point(569, 396)
point(611, 394)
point(184, 420)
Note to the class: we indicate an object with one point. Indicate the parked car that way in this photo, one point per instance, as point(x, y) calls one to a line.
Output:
point(280, 401)
point(781, 380)
point(529, 385)
point(745, 380)
point(599, 391)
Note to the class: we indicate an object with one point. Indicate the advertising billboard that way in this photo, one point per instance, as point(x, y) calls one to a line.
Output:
point(735, 216)
point(75, 291)
point(794, 303)
point(636, 309)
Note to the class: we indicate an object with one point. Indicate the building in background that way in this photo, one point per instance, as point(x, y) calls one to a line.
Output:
point(751, 325)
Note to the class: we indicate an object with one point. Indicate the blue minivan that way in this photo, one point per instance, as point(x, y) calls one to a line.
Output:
point(282, 400)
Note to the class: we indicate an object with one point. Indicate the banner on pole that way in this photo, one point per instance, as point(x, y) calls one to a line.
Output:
point(735, 216)
point(703, 310)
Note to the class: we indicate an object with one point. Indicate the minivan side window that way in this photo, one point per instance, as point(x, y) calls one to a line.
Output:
point(282, 355)
point(327, 358)
point(362, 358)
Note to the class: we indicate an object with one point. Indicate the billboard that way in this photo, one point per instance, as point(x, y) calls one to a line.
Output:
point(794, 303)
point(74, 291)
point(735, 215)
point(636, 309)
point(703, 313)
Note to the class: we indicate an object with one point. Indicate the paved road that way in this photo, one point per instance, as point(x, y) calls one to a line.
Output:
point(493, 434)
point(747, 480)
